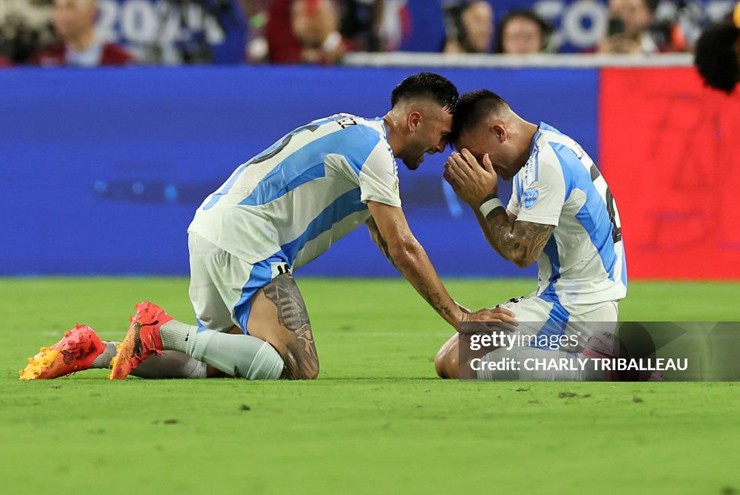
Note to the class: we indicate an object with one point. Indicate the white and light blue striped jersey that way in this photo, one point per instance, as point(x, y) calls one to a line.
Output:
point(302, 194)
point(583, 262)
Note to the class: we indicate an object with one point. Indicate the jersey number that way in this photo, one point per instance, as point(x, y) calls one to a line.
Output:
point(282, 144)
point(611, 207)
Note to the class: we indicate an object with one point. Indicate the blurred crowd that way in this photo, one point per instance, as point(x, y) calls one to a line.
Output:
point(88, 33)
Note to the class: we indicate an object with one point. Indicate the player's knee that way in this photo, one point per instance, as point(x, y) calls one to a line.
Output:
point(306, 373)
point(442, 364)
point(439, 364)
point(312, 373)
point(310, 370)
point(298, 366)
point(445, 362)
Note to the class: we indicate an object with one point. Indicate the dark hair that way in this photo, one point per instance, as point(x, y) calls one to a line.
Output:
point(427, 85)
point(531, 15)
point(472, 108)
point(715, 57)
point(454, 26)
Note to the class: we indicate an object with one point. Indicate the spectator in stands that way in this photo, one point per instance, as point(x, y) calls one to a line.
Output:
point(315, 23)
point(74, 24)
point(522, 32)
point(375, 25)
point(631, 29)
point(272, 36)
point(360, 23)
point(469, 28)
point(717, 54)
point(4, 62)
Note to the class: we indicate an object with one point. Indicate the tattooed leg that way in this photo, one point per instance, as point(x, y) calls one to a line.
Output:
point(279, 316)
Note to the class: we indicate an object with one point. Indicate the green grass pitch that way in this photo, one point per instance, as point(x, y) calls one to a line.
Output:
point(377, 421)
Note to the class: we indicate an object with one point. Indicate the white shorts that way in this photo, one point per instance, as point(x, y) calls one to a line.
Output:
point(538, 316)
point(222, 285)
point(547, 333)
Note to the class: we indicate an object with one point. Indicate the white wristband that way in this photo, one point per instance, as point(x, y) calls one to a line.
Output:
point(490, 205)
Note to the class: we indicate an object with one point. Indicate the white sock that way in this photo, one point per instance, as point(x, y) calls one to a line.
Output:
point(170, 364)
point(236, 355)
point(103, 361)
point(175, 335)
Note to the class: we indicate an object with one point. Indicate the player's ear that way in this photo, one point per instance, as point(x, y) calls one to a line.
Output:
point(499, 131)
point(413, 120)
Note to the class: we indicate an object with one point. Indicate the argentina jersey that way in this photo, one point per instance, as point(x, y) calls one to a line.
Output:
point(303, 193)
point(583, 262)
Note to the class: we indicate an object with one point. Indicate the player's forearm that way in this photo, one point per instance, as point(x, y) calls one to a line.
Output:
point(505, 238)
point(378, 239)
point(412, 261)
point(486, 231)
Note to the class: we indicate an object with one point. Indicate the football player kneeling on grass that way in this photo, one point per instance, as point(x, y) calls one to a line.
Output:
point(276, 213)
point(561, 215)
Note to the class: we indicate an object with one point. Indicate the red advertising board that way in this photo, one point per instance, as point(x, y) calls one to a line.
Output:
point(669, 148)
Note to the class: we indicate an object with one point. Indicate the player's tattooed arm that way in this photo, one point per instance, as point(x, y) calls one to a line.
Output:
point(476, 181)
point(411, 260)
point(301, 359)
point(436, 300)
point(517, 241)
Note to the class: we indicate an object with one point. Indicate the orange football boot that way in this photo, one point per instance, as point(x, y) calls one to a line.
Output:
point(75, 352)
point(142, 339)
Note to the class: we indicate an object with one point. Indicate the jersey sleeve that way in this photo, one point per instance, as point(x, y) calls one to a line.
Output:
point(543, 195)
point(379, 178)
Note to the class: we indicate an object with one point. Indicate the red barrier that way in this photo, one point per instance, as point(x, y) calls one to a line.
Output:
point(669, 150)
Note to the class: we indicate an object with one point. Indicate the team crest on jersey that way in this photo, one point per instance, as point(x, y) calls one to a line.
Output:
point(530, 197)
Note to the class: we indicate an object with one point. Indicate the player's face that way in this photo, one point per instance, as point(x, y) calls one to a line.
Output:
point(481, 140)
point(429, 136)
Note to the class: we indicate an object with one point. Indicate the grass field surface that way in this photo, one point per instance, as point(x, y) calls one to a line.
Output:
point(377, 421)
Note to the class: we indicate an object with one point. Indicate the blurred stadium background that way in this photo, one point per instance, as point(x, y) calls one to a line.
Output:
point(91, 157)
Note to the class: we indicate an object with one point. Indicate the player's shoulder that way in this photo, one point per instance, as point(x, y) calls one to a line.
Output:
point(358, 139)
point(355, 125)
point(561, 145)
point(543, 160)
point(353, 130)
point(557, 152)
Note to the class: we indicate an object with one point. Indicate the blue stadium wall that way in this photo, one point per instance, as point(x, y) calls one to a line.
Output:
point(101, 171)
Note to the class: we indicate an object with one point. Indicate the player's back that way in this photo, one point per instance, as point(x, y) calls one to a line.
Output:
point(302, 193)
point(583, 262)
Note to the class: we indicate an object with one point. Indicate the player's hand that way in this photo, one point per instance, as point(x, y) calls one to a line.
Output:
point(489, 319)
point(471, 180)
